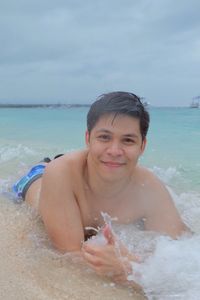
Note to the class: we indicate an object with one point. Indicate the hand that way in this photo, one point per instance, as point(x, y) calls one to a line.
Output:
point(112, 259)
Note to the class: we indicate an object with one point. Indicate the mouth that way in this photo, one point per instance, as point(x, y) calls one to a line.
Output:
point(113, 164)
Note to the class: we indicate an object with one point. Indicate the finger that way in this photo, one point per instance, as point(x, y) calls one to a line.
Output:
point(92, 249)
point(96, 249)
point(88, 257)
point(92, 260)
point(98, 270)
point(108, 234)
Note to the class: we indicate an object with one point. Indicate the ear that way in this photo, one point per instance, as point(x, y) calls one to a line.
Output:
point(143, 146)
point(87, 138)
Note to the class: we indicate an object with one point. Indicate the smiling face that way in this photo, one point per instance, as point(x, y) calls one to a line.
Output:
point(115, 144)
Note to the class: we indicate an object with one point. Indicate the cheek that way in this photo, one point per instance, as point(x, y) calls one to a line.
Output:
point(133, 154)
point(95, 148)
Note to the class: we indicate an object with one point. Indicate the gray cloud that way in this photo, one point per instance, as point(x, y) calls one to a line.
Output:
point(71, 51)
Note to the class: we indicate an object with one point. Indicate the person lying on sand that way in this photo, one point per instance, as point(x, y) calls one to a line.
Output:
point(73, 190)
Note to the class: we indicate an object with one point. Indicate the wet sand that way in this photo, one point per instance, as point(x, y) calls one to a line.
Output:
point(31, 269)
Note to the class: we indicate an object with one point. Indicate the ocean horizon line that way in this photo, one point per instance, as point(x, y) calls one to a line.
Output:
point(44, 105)
point(69, 105)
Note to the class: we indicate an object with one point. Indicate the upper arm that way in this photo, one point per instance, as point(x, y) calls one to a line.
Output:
point(161, 214)
point(59, 209)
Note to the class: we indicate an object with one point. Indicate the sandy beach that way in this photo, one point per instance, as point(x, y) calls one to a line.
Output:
point(31, 270)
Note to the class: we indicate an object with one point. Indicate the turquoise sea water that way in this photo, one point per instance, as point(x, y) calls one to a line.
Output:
point(173, 149)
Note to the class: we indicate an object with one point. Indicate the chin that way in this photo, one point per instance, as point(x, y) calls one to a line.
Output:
point(112, 174)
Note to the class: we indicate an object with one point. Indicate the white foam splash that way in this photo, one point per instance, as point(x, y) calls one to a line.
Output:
point(188, 205)
point(166, 175)
point(8, 153)
point(171, 268)
point(172, 271)
point(4, 185)
point(99, 239)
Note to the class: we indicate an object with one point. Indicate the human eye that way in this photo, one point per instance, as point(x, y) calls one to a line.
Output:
point(103, 137)
point(128, 141)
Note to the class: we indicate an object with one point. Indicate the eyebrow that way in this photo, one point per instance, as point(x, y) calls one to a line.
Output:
point(130, 135)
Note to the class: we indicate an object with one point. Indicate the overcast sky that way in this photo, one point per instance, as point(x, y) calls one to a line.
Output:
point(71, 51)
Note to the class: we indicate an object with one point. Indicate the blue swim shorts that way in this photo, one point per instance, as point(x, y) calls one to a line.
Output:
point(20, 187)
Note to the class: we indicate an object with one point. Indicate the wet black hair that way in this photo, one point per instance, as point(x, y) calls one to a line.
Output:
point(119, 103)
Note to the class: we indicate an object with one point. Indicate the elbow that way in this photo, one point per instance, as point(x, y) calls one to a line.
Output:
point(66, 246)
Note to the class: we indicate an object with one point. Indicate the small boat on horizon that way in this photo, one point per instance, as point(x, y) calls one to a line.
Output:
point(195, 102)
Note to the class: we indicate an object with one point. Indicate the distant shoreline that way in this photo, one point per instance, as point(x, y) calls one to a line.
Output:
point(43, 105)
point(76, 105)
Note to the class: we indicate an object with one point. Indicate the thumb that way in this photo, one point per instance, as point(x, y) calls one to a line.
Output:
point(109, 235)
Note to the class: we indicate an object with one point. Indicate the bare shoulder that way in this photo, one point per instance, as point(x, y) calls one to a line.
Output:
point(153, 189)
point(67, 164)
point(62, 177)
point(159, 208)
point(149, 180)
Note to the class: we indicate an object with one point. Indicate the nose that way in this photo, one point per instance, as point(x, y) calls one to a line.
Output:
point(115, 149)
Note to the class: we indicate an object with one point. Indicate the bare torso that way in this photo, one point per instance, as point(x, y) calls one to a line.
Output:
point(126, 206)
